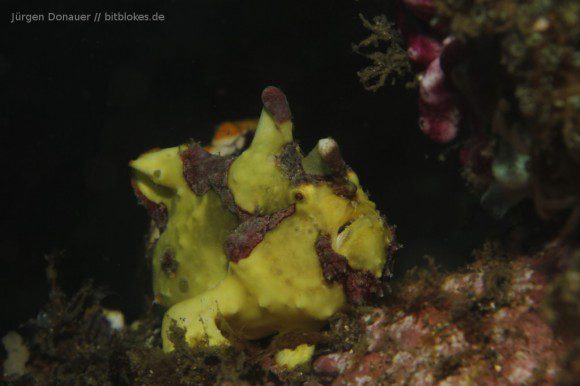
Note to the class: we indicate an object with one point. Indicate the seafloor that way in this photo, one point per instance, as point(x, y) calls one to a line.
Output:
point(505, 319)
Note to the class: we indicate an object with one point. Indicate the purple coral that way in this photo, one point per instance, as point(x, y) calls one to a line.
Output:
point(439, 114)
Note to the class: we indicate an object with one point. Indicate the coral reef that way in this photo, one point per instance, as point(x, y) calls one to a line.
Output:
point(504, 320)
point(503, 75)
point(483, 325)
point(264, 239)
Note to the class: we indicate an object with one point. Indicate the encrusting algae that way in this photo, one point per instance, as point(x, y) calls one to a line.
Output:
point(261, 238)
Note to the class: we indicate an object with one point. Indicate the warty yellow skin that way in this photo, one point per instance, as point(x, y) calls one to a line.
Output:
point(280, 286)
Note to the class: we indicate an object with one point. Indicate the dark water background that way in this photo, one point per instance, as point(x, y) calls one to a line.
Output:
point(79, 100)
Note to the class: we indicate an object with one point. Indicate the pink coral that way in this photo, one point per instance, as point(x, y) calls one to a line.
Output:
point(423, 49)
point(439, 115)
point(480, 326)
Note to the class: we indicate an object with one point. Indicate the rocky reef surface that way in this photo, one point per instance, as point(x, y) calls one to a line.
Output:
point(503, 320)
point(499, 78)
point(485, 325)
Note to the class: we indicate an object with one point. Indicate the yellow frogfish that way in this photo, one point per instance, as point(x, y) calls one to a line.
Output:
point(251, 231)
